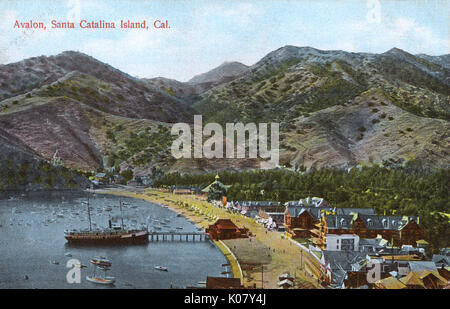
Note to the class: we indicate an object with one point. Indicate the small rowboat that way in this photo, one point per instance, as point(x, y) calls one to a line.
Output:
point(101, 262)
point(106, 280)
point(162, 268)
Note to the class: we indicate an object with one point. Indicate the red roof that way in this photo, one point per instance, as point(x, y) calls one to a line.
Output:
point(222, 283)
point(225, 224)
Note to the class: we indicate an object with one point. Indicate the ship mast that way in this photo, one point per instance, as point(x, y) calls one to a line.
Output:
point(121, 212)
point(89, 214)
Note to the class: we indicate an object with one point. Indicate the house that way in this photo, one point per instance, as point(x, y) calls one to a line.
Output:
point(442, 259)
point(341, 263)
point(398, 230)
point(117, 179)
point(182, 191)
point(444, 272)
point(386, 268)
point(309, 202)
point(260, 208)
point(102, 178)
point(424, 280)
point(299, 221)
point(226, 229)
point(373, 245)
point(344, 242)
point(285, 284)
point(421, 266)
point(412, 281)
point(390, 283)
point(286, 276)
point(223, 283)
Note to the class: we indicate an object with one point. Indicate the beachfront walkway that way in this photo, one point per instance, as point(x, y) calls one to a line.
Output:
point(266, 255)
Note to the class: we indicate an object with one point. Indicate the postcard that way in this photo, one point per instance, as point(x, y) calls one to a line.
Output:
point(248, 145)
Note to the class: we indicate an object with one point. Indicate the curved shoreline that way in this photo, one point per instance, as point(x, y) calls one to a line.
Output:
point(234, 263)
point(268, 248)
point(226, 251)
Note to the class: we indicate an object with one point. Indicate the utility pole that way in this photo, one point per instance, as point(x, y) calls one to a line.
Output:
point(301, 258)
point(262, 276)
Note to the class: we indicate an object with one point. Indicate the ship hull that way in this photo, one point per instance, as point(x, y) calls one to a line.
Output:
point(138, 238)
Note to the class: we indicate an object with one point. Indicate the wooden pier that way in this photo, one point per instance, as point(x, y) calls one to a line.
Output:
point(180, 236)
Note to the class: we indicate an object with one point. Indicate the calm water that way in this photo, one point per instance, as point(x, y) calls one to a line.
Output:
point(32, 244)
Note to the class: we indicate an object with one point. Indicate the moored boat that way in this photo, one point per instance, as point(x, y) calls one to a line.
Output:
point(108, 235)
point(162, 268)
point(98, 280)
point(101, 262)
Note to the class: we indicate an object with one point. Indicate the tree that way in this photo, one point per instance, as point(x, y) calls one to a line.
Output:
point(216, 191)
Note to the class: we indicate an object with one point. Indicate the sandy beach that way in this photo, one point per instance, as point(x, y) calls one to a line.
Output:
point(262, 258)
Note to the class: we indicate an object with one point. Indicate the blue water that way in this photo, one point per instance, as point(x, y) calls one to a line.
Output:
point(32, 244)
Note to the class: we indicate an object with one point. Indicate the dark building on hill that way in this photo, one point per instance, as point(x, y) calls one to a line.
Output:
point(226, 229)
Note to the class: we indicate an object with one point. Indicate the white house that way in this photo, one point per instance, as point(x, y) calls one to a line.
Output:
point(344, 242)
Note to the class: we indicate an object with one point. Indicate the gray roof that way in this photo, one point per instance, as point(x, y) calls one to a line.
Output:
point(258, 203)
point(445, 251)
point(376, 242)
point(339, 221)
point(343, 259)
point(342, 262)
point(372, 222)
point(348, 211)
point(295, 211)
point(422, 265)
point(439, 260)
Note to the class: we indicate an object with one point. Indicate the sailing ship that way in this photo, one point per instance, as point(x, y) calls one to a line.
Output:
point(103, 264)
point(112, 234)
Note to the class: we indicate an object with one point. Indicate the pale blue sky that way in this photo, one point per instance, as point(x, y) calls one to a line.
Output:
point(205, 33)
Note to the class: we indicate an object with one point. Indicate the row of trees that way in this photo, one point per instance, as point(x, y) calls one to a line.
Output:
point(388, 191)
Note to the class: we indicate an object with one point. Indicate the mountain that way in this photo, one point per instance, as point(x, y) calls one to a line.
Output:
point(292, 81)
point(189, 92)
point(366, 130)
point(294, 85)
point(82, 78)
point(23, 169)
point(68, 104)
point(224, 72)
point(335, 109)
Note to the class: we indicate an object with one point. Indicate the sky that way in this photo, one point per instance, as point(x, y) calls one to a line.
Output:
point(205, 33)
